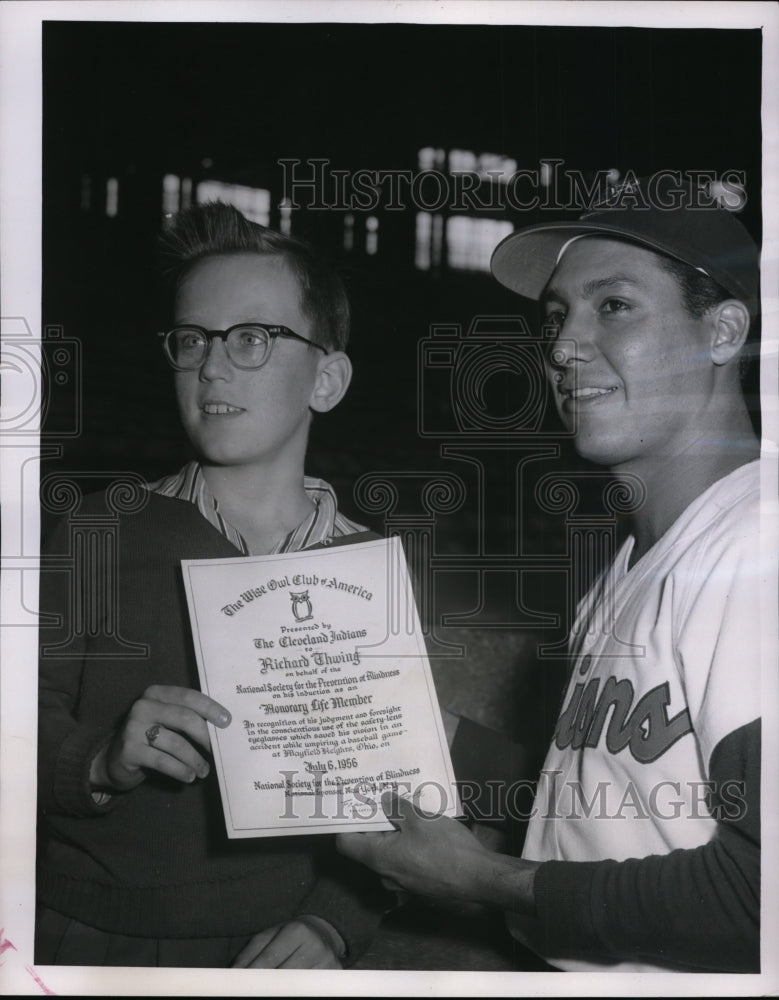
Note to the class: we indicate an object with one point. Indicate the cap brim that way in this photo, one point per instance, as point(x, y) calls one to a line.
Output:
point(525, 261)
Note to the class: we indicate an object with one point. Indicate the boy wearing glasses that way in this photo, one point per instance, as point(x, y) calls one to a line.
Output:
point(134, 865)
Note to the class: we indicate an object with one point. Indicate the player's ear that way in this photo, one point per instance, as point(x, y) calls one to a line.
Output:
point(334, 373)
point(730, 327)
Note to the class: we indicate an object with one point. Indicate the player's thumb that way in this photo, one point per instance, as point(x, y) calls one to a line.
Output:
point(399, 811)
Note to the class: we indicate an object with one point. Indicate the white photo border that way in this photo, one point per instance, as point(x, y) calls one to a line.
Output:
point(20, 295)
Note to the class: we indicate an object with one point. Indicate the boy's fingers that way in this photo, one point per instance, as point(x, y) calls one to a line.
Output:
point(188, 698)
point(181, 710)
point(254, 948)
point(147, 714)
point(172, 754)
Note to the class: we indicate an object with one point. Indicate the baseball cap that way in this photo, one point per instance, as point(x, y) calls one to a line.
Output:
point(659, 213)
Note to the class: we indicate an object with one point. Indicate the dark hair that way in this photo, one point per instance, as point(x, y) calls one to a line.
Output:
point(699, 292)
point(216, 229)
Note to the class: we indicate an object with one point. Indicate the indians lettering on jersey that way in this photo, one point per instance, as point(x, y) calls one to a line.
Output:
point(646, 729)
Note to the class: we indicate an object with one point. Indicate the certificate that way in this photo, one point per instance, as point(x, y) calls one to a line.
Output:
point(319, 657)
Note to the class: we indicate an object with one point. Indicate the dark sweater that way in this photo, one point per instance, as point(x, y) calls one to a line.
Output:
point(155, 861)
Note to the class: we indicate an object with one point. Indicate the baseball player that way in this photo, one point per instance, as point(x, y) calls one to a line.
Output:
point(643, 846)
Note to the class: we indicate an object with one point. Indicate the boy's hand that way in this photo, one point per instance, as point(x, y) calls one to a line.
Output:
point(158, 735)
point(291, 946)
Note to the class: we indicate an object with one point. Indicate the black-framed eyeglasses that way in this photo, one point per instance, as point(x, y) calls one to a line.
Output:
point(248, 345)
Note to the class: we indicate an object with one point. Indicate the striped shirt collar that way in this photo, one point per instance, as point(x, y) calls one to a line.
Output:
point(323, 523)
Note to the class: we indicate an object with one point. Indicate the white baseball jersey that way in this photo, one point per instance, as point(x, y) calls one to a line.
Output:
point(666, 676)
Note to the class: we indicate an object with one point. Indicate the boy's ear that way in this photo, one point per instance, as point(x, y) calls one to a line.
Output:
point(334, 373)
point(730, 328)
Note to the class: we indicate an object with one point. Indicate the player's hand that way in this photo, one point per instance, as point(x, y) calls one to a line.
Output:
point(431, 856)
point(295, 945)
point(162, 732)
point(438, 857)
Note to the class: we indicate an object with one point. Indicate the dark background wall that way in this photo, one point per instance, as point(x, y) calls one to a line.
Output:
point(136, 102)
